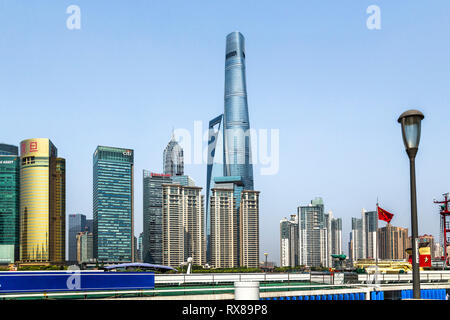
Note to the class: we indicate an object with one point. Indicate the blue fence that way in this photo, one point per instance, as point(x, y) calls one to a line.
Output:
point(345, 296)
point(434, 294)
point(17, 282)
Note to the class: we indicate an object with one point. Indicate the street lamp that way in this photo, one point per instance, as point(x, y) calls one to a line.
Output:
point(410, 121)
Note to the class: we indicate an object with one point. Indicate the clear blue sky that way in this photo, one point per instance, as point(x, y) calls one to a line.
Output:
point(333, 88)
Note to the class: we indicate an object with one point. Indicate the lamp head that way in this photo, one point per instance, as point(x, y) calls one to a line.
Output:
point(410, 121)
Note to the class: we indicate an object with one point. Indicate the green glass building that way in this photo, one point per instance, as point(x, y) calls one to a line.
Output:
point(113, 205)
point(9, 203)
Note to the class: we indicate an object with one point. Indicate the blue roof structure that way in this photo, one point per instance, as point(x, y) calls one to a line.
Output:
point(140, 265)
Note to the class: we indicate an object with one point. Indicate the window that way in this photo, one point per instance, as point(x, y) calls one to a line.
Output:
point(231, 54)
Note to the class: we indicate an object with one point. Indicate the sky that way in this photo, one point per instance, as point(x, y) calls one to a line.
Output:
point(333, 88)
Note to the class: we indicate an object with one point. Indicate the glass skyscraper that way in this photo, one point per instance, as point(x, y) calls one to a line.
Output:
point(229, 147)
point(113, 204)
point(153, 201)
point(9, 203)
point(77, 223)
point(173, 158)
point(237, 150)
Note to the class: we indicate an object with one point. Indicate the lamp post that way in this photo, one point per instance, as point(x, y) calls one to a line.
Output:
point(410, 121)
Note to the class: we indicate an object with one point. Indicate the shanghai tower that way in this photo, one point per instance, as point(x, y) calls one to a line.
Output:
point(229, 148)
point(237, 150)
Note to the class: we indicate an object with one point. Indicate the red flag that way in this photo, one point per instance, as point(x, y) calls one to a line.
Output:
point(384, 215)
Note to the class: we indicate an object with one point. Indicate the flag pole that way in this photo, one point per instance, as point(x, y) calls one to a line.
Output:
point(376, 247)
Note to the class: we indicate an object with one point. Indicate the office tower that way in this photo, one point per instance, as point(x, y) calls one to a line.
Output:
point(370, 220)
point(173, 158)
point(113, 204)
point(85, 247)
point(313, 240)
point(214, 168)
point(152, 212)
point(393, 242)
point(357, 239)
point(224, 227)
point(77, 224)
point(237, 149)
point(289, 249)
point(182, 225)
point(42, 203)
point(9, 203)
point(229, 145)
point(249, 229)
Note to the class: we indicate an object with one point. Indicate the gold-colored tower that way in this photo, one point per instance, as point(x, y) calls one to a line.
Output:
point(42, 203)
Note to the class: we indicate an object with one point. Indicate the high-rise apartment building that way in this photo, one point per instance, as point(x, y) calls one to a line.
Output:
point(113, 204)
point(334, 236)
point(289, 242)
point(77, 224)
point(173, 159)
point(42, 203)
point(393, 242)
point(224, 227)
point(357, 238)
point(313, 240)
point(9, 203)
point(249, 229)
point(182, 225)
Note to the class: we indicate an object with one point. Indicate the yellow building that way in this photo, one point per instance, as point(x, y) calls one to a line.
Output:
point(42, 203)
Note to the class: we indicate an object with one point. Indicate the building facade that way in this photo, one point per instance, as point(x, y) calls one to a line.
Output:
point(224, 228)
point(85, 247)
point(153, 202)
point(249, 229)
point(357, 237)
point(77, 224)
point(42, 203)
point(113, 204)
point(9, 203)
point(173, 159)
point(393, 242)
point(313, 234)
point(182, 225)
point(289, 242)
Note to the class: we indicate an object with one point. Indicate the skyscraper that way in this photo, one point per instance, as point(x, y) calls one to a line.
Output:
point(224, 227)
point(313, 240)
point(42, 203)
point(173, 159)
point(77, 224)
point(370, 220)
point(357, 239)
point(153, 202)
point(229, 146)
point(182, 225)
point(9, 203)
point(249, 229)
point(113, 204)
point(237, 148)
point(289, 243)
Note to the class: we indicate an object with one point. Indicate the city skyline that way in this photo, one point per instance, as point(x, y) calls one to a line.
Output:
point(338, 131)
